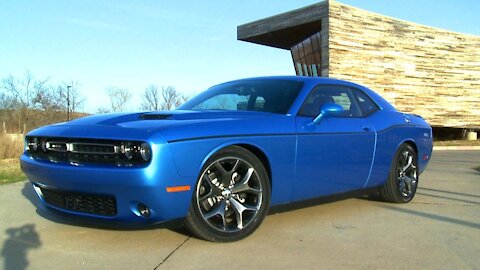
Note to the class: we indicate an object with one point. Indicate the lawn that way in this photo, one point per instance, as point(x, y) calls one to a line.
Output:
point(10, 171)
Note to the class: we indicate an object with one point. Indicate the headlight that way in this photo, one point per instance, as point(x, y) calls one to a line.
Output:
point(33, 144)
point(127, 149)
point(136, 151)
point(145, 151)
point(43, 145)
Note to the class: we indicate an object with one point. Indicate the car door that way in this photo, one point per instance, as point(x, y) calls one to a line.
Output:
point(336, 154)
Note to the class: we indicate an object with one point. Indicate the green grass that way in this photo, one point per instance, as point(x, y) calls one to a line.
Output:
point(10, 171)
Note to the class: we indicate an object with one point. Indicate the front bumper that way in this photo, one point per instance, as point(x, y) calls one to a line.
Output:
point(129, 187)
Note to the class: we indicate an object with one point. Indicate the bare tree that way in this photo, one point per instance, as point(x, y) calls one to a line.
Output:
point(45, 100)
point(118, 98)
point(183, 99)
point(22, 92)
point(21, 96)
point(151, 99)
point(6, 102)
point(31, 102)
point(69, 97)
point(167, 98)
point(32, 93)
point(170, 98)
point(102, 110)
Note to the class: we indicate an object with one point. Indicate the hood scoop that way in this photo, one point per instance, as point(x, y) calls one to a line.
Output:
point(156, 116)
point(198, 115)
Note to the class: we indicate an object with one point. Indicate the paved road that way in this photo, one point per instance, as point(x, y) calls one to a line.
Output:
point(440, 229)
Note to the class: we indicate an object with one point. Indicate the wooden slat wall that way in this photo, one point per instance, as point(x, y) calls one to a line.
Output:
point(419, 69)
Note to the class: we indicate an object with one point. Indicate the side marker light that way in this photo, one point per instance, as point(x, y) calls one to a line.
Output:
point(178, 188)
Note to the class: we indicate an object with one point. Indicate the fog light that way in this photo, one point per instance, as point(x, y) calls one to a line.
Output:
point(143, 210)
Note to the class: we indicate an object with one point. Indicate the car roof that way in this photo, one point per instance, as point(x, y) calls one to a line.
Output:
point(310, 82)
point(295, 78)
point(306, 79)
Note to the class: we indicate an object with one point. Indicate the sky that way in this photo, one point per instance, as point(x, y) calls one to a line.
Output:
point(189, 45)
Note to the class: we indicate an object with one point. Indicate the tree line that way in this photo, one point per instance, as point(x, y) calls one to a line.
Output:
point(153, 98)
point(27, 102)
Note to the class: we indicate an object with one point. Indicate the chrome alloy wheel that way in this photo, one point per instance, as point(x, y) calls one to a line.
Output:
point(407, 174)
point(229, 195)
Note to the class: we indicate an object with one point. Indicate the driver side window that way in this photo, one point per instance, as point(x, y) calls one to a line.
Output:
point(329, 94)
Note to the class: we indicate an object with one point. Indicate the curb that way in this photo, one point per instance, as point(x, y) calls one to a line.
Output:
point(458, 147)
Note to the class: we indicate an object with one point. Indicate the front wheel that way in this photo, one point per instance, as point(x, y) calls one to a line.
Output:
point(231, 197)
point(403, 178)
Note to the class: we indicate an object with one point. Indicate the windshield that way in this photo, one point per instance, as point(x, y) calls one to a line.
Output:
point(273, 96)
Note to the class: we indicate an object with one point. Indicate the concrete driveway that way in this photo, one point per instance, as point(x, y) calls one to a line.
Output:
point(439, 229)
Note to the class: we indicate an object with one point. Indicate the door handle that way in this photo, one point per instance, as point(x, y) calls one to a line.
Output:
point(367, 128)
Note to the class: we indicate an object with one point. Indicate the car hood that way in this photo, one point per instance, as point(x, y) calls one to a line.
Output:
point(170, 125)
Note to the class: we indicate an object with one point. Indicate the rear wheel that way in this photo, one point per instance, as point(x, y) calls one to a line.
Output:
point(402, 182)
point(231, 197)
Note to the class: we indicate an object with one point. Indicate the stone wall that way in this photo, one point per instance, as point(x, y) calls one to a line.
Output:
point(422, 70)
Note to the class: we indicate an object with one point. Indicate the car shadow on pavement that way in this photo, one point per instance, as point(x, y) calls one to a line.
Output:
point(433, 216)
point(15, 248)
point(448, 198)
point(450, 192)
point(66, 219)
point(29, 193)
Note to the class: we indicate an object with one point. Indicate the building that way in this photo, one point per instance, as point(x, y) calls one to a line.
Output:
point(423, 70)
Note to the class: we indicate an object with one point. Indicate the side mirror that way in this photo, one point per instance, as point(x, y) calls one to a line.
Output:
point(328, 110)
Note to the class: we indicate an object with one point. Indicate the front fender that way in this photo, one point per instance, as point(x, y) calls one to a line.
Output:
point(190, 157)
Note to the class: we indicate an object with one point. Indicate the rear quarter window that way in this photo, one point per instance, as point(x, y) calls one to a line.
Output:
point(365, 103)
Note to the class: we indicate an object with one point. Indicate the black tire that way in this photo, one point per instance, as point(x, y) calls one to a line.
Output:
point(402, 181)
point(231, 197)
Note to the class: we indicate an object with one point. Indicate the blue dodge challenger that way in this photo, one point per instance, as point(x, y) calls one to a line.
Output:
point(222, 159)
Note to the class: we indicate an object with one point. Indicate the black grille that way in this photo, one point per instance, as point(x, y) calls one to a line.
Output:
point(93, 148)
point(103, 205)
